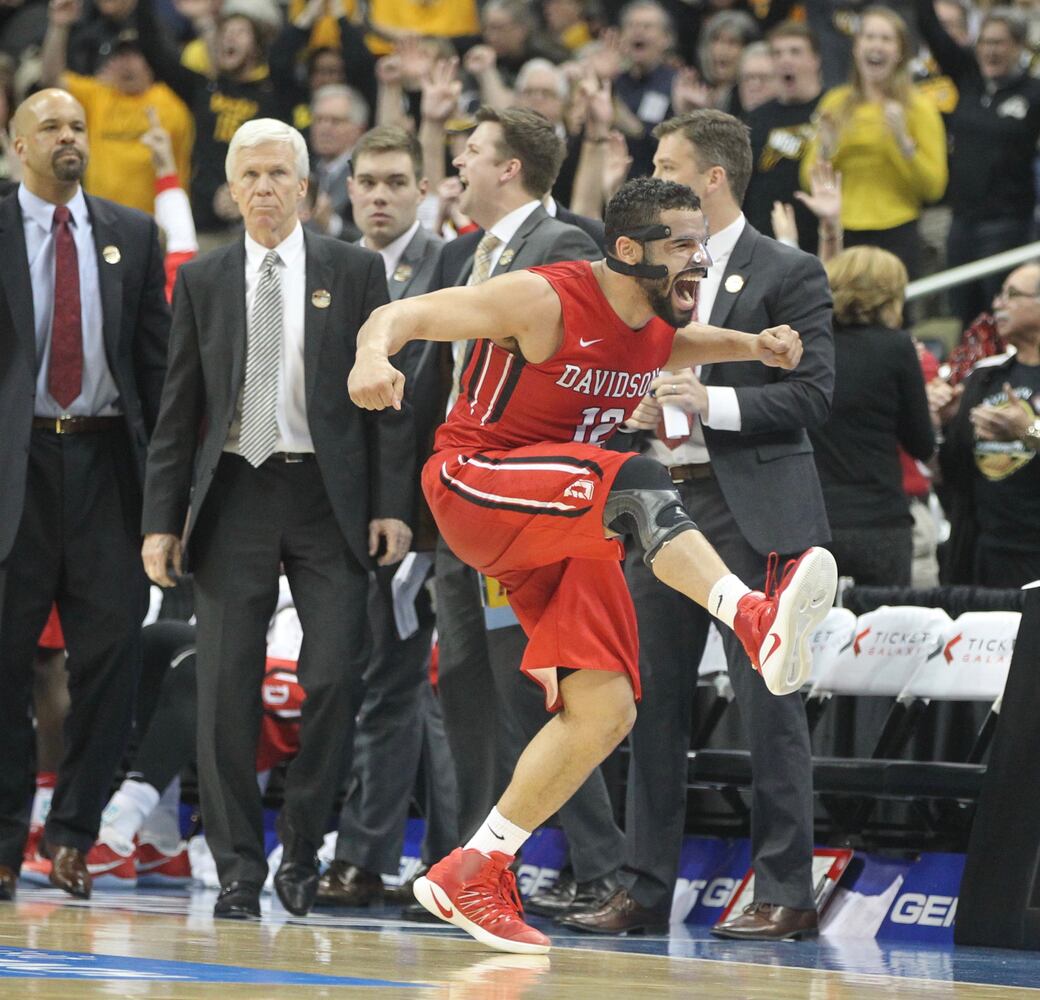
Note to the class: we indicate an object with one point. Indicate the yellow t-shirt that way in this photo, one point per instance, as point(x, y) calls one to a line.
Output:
point(882, 188)
point(120, 165)
point(440, 18)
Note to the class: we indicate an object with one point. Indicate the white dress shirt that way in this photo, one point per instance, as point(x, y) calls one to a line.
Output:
point(293, 430)
point(99, 396)
point(723, 408)
point(393, 252)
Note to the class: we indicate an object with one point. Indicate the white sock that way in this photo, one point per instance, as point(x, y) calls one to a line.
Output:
point(496, 833)
point(41, 805)
point(162, 826)
point(125, 813)
point(724, 597)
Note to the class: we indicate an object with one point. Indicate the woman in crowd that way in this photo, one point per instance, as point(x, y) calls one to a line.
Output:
point(887, 140)
point(879, 404)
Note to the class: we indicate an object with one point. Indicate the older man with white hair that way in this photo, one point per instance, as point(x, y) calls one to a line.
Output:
point(260, 460)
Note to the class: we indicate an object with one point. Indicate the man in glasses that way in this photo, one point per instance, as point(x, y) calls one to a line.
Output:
point(989, 458)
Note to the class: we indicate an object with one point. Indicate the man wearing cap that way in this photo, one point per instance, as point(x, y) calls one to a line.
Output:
point(117, 102)
point(83, 331)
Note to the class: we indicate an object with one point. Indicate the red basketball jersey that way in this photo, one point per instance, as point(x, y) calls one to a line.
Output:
point(583, 393)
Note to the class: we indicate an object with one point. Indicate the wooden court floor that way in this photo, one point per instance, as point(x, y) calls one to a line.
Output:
point(137, 945)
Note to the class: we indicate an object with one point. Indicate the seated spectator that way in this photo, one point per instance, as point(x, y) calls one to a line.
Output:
point(879, 404)
point(567, 23)
point(510, 28)
point(994, 130)
point(756, 77)
point(885, 138)
point(92, 36)
point(781, 129)
point(117, 102)
point(988, 459)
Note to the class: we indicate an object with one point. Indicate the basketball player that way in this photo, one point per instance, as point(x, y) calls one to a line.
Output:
point(523, 491)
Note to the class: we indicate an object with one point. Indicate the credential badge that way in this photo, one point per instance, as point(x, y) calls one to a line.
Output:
point(321, 299)
point(111, 254)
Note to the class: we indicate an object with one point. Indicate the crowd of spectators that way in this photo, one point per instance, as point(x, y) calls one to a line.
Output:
point(872, 129)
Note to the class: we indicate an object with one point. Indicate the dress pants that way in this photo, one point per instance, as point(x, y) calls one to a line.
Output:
point(672, 631)
point(388, 740)
point(78, 543)
point(491, 711)
point(253, 521)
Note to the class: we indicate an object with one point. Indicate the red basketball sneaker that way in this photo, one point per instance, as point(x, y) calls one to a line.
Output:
point(775, 626)
point(110, 869)
point(477, 892)
point(156, 868)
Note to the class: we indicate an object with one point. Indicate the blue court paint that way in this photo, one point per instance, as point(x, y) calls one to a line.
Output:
point(42, 963)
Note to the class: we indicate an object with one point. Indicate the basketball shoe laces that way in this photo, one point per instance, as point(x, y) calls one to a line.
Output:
point(491, 897)
point(764, 614)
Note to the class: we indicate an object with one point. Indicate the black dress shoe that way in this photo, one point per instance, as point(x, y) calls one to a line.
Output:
point(591, 895)
point(296, 883)
point(769, 922)
point(556, 899)
point(403, 893)
point(345, 884)
point(238, 901)
point(418, 913)
point(619, 913)
point(8, 883)
point(69, 871)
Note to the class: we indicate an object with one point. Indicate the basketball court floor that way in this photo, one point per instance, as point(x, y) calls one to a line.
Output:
point(167, 945)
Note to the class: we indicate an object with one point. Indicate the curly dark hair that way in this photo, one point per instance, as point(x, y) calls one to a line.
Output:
point(640, 202)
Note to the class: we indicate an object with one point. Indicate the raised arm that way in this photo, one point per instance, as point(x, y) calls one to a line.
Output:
point(519, 308)
point(698, 344)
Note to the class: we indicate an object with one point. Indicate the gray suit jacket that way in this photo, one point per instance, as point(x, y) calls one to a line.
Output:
point(367, 460)
point(766, 470)
point(414, 272)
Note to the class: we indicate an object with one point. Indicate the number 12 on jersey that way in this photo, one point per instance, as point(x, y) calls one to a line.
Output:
point(597, 424)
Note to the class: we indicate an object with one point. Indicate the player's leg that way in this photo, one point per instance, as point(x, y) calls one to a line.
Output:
point(473, 887)
point(775, 626)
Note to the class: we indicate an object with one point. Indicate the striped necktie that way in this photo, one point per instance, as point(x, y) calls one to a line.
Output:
point(480, 273)
point(259, 430)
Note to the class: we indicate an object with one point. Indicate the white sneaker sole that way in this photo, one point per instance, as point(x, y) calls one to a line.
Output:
point(434, 899)
point(802, 607)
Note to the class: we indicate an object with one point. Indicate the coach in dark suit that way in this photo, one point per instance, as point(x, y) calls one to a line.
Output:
point(746, 475)
point(259, 449)
point(83, 331)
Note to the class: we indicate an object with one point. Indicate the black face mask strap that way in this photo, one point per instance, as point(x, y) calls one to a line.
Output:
point(642, 235)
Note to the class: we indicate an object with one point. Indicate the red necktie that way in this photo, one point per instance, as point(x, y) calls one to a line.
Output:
point(65, 373)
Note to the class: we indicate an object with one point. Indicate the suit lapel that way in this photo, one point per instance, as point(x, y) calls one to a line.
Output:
point(15, 272)
point(512, 248)
point(110, 266)
point(319, 279)
point(736, 276)
point(408, 266)
point(231, 289)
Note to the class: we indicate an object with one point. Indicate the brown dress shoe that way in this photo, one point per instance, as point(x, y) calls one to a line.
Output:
point(619, 913)
point(769, 922)
point(345, 884)
point(8, 883)
point(69, 871)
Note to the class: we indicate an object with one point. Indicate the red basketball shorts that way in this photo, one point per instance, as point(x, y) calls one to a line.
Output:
point(532, 518)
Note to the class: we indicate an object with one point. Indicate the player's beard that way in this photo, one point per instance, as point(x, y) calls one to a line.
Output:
point(659, 294)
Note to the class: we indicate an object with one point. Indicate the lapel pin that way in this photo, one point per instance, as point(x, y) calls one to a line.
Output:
point(321, 299)
point(111, 254)
point(403, 272)
point(506, 259)
point(734, 283)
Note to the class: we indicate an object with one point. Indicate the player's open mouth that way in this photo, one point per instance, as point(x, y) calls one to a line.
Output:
point(686, 287)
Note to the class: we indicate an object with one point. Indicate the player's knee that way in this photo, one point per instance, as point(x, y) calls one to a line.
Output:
point(644, 503)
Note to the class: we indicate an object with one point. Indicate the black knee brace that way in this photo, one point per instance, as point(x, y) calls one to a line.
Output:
point(644, 503)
